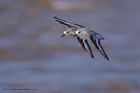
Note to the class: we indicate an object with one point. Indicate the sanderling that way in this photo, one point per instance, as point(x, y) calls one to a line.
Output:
point(91, 36)
point(71, 29)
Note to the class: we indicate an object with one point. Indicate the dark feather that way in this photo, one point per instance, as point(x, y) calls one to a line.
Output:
point(99, 47)
point(68, 24)
point(91, 54)
point(104, 54)
point(81, 43)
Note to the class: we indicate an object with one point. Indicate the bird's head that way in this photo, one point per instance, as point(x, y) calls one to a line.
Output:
point(79, 33)
point(68, 33)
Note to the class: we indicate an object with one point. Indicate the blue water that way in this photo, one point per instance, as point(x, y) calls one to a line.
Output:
point(33, 56)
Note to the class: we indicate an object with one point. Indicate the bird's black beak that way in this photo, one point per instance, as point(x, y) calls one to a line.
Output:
point(63, 35)
point(74, 35)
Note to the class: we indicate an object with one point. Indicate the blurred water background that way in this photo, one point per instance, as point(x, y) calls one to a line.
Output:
point(34, 58)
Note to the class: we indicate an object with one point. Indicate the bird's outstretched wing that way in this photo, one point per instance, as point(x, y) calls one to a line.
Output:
point(99, 47)
point(68, 24)
point(89, 48)
point(81, 43)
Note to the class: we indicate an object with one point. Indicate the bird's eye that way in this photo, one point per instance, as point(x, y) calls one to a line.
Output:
point(79, 32)
point(66, 32)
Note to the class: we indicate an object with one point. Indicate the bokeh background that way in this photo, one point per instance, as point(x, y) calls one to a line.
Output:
point(34, 58)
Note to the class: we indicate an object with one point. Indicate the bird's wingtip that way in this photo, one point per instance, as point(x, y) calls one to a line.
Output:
point(57, 18)
point(54, 17)
point(92, 56)
point(108, 59)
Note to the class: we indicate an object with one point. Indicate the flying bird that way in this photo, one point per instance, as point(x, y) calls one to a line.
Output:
point(84, 37)
point(91, 36)
point(70, 31)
